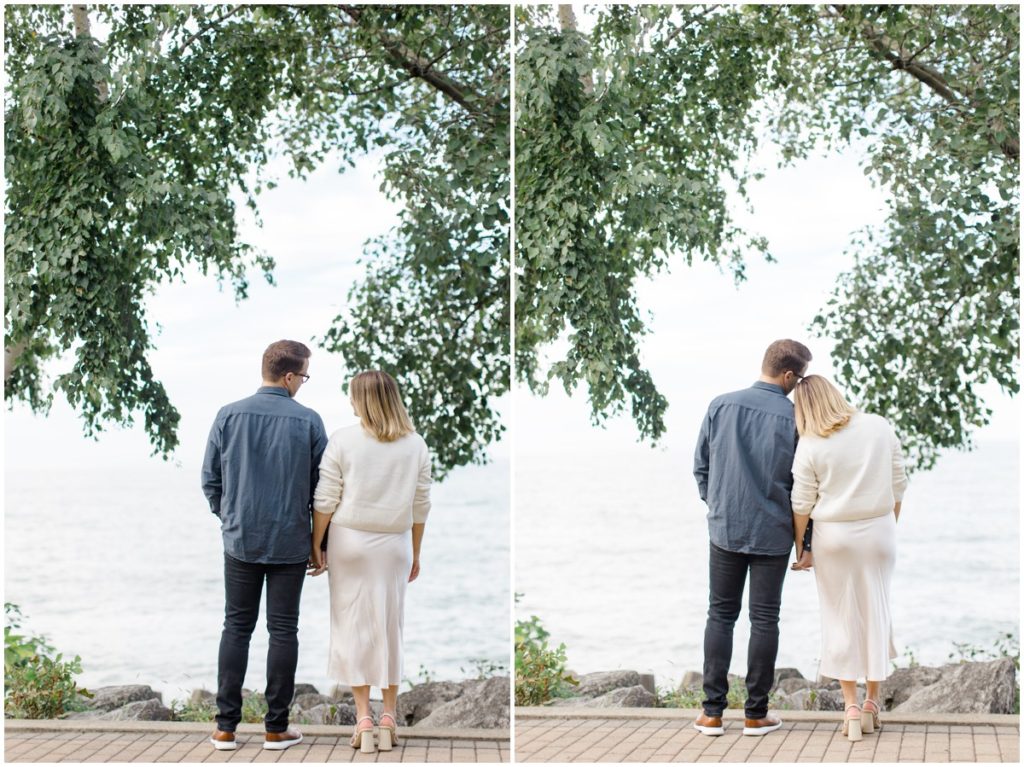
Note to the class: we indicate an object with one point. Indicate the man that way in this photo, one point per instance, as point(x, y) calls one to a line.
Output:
point(259, 475)
point(743, 466)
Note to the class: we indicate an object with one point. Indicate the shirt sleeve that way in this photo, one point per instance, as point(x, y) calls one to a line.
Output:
point(805, 481)
point(211, 477)
point(701, 457)
point(899, 471)
point(319, 443)
point(421, 501)
point(330, 484)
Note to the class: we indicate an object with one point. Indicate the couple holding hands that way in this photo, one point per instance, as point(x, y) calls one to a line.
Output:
point(268, 464)
point(817, 473)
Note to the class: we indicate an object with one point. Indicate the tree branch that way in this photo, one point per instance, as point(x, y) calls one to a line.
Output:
point(11, 355)
point(200, 32)
point(891, 51)
point(417, 67)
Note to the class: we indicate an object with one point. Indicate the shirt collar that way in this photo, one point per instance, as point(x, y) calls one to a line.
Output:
point(280, 391)
point(768, 387)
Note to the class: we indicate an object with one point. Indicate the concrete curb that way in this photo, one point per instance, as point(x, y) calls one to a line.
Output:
point(893, 717)
point(84, 725)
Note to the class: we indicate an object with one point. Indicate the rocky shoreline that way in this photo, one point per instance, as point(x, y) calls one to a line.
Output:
point(958, 688)
point(471, 704)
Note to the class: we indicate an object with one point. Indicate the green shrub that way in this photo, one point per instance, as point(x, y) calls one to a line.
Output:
point(693, 697)
point(37, 686)
point(540, 670)
point(485, 668)
point(1006, 646)
point(43, 687)
point(254, 709)
point(187, 711)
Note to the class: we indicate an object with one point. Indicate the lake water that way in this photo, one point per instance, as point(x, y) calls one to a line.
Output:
point(126, 570)
point(611, 554)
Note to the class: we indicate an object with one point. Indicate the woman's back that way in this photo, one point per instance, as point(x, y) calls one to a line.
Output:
point(858, 471)
point(382, 486)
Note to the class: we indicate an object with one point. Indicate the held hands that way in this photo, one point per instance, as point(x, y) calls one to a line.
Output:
point(317, 562)
point(415, 572)
point(805, 562)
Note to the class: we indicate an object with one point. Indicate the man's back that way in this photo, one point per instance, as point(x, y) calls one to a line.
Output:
point(259, 474)
point(743, 466)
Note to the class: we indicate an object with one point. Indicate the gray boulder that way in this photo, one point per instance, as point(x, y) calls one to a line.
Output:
point(309, 700)
point(325, 713)
point(202, 697)
point(788, 673)
point(967, 688)
point(647, 682)
point(110, 698)
point(623, 697)
point(421, 701)
point(790, 685)
point(692, 680)
point(601, 682)
point(904, 682)
point(304, 689)
point(152, 710)
point(342, 693)
point(636, 696)
point(482, 704)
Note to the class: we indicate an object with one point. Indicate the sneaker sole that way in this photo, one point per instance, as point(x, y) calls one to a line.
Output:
point(222, 745)
point(280, 745)
point(709, 730)
point(761, 730)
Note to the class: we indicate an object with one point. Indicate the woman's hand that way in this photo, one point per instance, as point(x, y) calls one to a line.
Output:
point(317, 562)
point(805, 562)
point(415, 572)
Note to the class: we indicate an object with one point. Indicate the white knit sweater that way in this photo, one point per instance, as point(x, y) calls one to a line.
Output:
point(855, 473)
point(380, 487)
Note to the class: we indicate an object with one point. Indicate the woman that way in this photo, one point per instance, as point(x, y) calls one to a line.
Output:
point(374, 491)
point(848, 476)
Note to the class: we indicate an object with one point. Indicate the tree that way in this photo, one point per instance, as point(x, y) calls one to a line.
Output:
point(631, 137)
point(122, 158)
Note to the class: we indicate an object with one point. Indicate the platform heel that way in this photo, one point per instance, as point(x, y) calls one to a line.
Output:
point(851, 724)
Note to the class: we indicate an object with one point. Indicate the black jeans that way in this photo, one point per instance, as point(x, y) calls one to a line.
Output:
point(243, 585)
point(728, 574)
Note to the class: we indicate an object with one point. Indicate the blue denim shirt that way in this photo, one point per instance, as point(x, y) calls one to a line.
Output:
point(744, 470)
point(259, 473)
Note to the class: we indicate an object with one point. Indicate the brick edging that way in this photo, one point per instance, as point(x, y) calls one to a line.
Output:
point(85, 725)
point(894, 717)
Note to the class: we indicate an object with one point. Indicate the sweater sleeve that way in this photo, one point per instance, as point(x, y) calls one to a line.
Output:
point(805, 481)
point(421, 501)
point(330, 484)
point(899, 471)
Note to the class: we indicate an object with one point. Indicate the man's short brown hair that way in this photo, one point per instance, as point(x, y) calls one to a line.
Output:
point(283, 357)
point(785, 355)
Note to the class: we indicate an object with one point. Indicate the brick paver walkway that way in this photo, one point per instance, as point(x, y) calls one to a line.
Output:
point(74, 741)
point(667, 735)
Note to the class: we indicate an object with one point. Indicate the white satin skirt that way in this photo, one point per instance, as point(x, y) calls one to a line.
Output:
point(368, 573)
point(853, 564)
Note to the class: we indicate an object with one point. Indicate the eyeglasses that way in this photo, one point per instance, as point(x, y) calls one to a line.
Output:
point(304, 376)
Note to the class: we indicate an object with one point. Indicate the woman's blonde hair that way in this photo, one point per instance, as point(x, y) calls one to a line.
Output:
point(819, 407)
point(379, 406)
